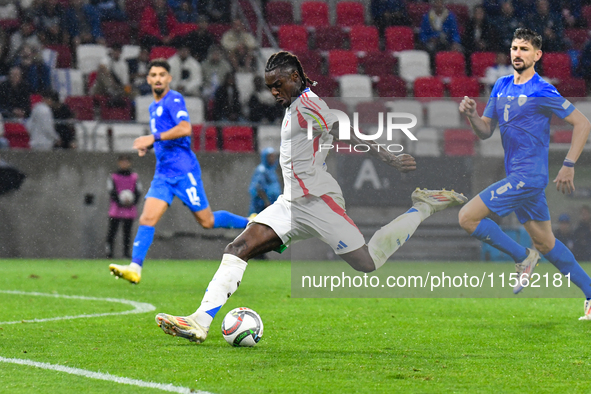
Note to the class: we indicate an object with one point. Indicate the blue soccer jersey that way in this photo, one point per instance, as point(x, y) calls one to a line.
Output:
point(523, 112)
point(174, 158)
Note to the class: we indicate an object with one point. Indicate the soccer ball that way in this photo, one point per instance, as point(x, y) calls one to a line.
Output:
point(126, 197)
point(242, 327)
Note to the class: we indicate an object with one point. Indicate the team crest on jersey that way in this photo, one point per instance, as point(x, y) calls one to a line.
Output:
point(522, 99)
point(159, 111)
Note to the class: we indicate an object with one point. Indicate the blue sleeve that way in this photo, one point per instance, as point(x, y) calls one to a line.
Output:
point(453, 28)
point(426, 31)
point(552, 101)
point(178, 109)
point(490, 109)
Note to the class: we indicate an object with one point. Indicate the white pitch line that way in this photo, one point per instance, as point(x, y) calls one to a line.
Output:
point(103, 376)
point(139, 307)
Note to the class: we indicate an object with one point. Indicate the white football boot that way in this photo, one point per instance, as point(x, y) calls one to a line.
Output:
point(438, 200)
point(181, 326)
point(587, 315)
point(525, 269)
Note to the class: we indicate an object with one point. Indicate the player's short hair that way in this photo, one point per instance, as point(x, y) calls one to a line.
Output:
point(160, 62)
point(288, 61)
point(528, 35)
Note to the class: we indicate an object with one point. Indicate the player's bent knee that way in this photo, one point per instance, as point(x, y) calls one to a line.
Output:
point(237, 248)
point(148, 220)
point(363, 265)
point(466, 222)
point(207, 223)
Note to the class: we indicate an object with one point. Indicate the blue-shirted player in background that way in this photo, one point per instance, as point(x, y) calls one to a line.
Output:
point(177, 170)
point(522, 105)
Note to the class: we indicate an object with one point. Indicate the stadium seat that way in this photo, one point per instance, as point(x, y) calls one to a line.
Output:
point(364, 39)
point(416, 11)
point(586, 14)
point(135, 8)
point(279, 13)
point(429, 142)
point(443, 114)
point(464, 86)
point(328, 38)
point(64, 55)
point(459, 142)
point(399, 38)
point(164, 52)
point(480, 61)
point(409, 106)
point(109, 112)
point(210, 138)
point(218, 30)
point(450, 64)
point(572, 87)
point(35, 98)
point(492, 146)
point(17, 135)
point(195, 108)
point(124, 135)
point(268, 136)
point(556, 65)
point(314, 13)
point(562, 136)
point(368, 112)
point(89, 57)
point(238, 139)
point(293, 38)
point(326, 86)
point(81, 106)
point(67, 82)
point(576, 37)
point(378, 63)
point(341, 62)
point(350, 13)
point(311, 61)
point(391, 86)
point(116, 32)
point(355, 88)
point(413, 64)
point(462, 13)
point(428, 87)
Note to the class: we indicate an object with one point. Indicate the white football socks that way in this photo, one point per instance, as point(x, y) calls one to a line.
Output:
point(392, 236)
point(224, 283)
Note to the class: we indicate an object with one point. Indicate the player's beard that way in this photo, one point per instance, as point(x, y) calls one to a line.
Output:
point(524, 66)
point(158, 91)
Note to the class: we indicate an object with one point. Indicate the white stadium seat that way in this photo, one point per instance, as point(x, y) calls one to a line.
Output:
point(130, 51)
point(443, 113)
point(269, 136)
point(89, 57)
point(245, 86)
point(196, 109)
point(92, 136)
point(125, 134)
point(408, 106)
point(493, 146)
point(142, 104)
point(413, 64)
point(355, 89)
point(428, 144)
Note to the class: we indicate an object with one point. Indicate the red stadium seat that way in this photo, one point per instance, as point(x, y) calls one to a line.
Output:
point(293, 38)
point(17, 135)
point(279, 13)
point(238, 139)
point(368, 112)
point(464, 86)
point(562, 136)
point(311, 61)
point(481, 61)
point(428, 87)
point(391, 86)
point(378, 63)
point(416, 11)
point(330, 37)
point(81, 106)
point(35, 98)
point(350, 13)
point(116, 32)
point(64, 55)
point(399, 38)
point(218, 30)
point(314, 13)
point(364, 38)
point(572, 87)
point(450, 64)
point(462, 13)
point(341, 62)
point(10, 25)
point(459, 142)
point(325, 87)
point(211, 138)
point(586, 13)
point(556, 65)
point(165, 52)
point(109, 112)
point(577, 37)
point(135, 8)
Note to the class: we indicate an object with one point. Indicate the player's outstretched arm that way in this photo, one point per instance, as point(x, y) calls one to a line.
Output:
point(142, 144)
point(483, 126)
point(403, 162)
point(565, 179)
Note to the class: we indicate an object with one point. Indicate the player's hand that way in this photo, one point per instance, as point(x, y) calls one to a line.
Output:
point(403, 162)
point(468, 107)
point(142, 143)
point(565, 180)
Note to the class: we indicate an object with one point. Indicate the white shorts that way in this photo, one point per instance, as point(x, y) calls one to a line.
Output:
point(310, 216)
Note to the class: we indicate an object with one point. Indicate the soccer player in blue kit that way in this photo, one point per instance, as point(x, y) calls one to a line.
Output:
point(522, 105)
point(177, 170)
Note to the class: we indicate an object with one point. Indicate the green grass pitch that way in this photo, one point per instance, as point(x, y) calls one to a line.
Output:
point(309, 345)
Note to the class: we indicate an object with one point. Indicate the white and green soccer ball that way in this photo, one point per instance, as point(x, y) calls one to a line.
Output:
point(126, 197)
point(242, 327)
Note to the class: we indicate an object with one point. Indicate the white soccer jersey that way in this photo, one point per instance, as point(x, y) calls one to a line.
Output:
point(302, 161)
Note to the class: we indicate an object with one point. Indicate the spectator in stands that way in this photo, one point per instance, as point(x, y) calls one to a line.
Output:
point(25, 35)
point(117, 65)
point(186, 73)
point(264, 186)
point(570, 11)
point(138, 71)
point(185, 11)
point(218, 11)
point(226, 102)
point(480, 34)
point(524, 8)
point(4, 47)
point(582, 234)
point(492, 8)
point(240, 46)
point(62, 114)
point(40, 125)
point(506, 24)
point(564, 233)
point(109, 10)
point(83, 24)
point(111, 83)
point(214, 68)
point(49, 18)
point(35, 72)
point(158, 26)
point(501, 68)
point(387, 13)
point(584, 65)
point(15, 99)
point(262, 104)
point(439, 29)
point(548, 26)
point(201, 40)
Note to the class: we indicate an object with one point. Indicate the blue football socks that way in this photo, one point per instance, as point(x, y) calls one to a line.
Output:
point(490, 233)
point(564, 260)
point(225, 219)
point(141, 244)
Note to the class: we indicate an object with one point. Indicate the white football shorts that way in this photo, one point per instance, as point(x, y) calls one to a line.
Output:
point(306, 217)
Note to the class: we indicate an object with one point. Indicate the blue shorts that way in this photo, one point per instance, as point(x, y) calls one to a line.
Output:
point(188, 188)
point(513, 195)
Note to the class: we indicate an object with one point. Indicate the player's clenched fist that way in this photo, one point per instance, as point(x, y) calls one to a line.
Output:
point(468, 107)
point(405, 163)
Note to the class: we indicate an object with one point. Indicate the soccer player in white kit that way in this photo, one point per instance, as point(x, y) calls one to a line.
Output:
point(312, 203)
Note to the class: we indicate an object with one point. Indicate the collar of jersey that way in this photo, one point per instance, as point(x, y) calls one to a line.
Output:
point(303, 91)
